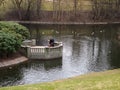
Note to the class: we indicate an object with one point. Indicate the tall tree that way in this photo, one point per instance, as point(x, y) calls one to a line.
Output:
point(28, 9)
point(57, 10)
point(54, 10)
point(2, 2)
point(18, 4)
point(75, 6)
point(38, 7)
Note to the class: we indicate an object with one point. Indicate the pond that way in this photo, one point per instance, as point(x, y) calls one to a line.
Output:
point(86, 48)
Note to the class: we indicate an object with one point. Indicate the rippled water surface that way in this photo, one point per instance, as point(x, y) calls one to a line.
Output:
point(85, 49)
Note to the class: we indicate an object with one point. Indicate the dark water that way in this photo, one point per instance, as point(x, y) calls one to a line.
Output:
point(85, 49)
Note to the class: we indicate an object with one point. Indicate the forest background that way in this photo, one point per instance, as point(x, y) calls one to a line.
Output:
point(60, 10)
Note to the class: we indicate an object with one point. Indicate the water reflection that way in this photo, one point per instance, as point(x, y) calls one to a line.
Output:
point(85, 49)
point(85, 55)
point(10, 76)
point(41, 71)
point(31, 72)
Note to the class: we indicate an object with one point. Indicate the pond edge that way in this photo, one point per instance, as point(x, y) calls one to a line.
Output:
point(64, 23)
point(12, 62)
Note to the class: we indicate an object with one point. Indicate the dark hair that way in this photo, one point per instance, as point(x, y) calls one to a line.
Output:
point(51, 42)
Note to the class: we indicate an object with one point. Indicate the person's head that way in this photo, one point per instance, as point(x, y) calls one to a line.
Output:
point(51, 40)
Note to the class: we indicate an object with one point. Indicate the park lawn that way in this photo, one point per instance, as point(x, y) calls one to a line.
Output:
point(107, 80)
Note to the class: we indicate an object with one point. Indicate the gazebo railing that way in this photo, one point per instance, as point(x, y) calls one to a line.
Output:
point(45, 52)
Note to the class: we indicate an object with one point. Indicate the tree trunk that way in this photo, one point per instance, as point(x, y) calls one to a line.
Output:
point(38, 9)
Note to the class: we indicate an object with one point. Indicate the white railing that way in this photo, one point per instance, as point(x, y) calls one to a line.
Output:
point(28, 43)
point(45, 52)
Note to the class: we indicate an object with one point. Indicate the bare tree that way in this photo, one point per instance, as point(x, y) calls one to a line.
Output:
point(18, 4)
point(75, 6)
point(24, 8)
point(117, 9)
point(38, 7)
point(65, 10)
point(57, 10)
point(99, 9)
point(2, 2)
point(28, 9)
point(106, 9)
point(54, 9)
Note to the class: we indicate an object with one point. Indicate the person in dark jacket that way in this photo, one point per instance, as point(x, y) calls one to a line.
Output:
point(51, 42)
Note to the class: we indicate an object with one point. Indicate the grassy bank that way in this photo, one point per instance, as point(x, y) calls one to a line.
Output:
point(109, 80)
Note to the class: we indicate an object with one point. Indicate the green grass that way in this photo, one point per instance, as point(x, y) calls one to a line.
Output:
point(108, 80)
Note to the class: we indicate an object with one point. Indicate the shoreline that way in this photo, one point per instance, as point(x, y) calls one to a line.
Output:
point(12, 62)
point(64, 23)
point(92, 81)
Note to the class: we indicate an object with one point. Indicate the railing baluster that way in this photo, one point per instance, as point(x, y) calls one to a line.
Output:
point(39, 52)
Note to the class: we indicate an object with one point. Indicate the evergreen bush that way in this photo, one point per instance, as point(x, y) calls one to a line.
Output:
point(11, 37)
point(20, 29)
point(10, 42)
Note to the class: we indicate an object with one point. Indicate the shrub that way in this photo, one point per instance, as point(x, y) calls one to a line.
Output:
point(11, 37)
point(16, 28)
point(10, 42)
